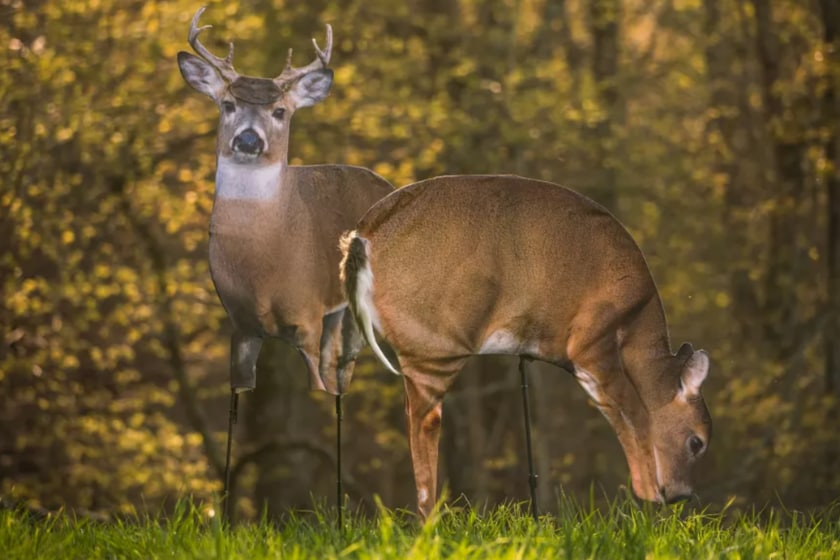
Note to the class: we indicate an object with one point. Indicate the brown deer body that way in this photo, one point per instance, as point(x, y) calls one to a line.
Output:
point(274, 263)
point(462, 265)
point(274, 227)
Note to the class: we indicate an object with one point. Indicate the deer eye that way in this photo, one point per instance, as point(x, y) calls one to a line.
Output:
point(278, 113)
point(696, 445)
point(228, 107)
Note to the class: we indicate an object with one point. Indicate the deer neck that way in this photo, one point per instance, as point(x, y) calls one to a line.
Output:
point(646, 355)
point(249, 198)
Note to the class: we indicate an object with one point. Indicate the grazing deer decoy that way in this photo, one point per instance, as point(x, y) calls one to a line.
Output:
point(275, 227)
point(461, 265)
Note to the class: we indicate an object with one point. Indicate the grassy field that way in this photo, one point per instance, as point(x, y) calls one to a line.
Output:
point(623, 531)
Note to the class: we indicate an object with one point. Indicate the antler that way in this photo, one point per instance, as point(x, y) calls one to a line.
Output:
point(223, 65)
point(321, 61)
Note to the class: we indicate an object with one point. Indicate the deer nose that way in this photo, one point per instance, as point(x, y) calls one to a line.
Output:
point(674, 498)
point(248, 142)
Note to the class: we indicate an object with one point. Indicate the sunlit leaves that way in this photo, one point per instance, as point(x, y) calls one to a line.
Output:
point(91, 107)
point(107, 163)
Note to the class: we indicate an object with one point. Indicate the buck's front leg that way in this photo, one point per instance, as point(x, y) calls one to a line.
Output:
point(244, 351)
point(340, 343)
point(424, 393)
point(306, 341)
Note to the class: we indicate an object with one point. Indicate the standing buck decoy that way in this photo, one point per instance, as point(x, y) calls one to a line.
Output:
point(461, 265)
point(275, 227)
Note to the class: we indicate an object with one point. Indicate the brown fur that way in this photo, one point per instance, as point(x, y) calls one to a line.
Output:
point(273, 231)
point(275, 264)
point(457, 260)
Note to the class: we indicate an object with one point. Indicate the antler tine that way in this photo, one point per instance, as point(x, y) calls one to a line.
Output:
point(223, 65)
point(322, 59)
point(288, 61)
point(324, 55)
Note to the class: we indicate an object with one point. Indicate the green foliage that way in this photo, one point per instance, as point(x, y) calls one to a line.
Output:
point(113, 350)
point(92, 196)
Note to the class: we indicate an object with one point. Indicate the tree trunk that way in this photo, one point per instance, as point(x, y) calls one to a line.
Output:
point(476, 429)
point(786, 179)
point(728, 139)
point(282, 406)
point(555, 29)
point(549, 420)
point(831, 107)
point(604, 23)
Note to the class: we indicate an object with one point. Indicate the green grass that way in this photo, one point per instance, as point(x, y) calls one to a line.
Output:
point(623, 531)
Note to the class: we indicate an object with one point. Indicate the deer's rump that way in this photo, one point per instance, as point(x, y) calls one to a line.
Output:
point(472, 264)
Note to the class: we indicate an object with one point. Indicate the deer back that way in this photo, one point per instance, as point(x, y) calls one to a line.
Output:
point(502, 259)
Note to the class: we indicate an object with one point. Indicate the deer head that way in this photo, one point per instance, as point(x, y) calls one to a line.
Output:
point(681, 429)
point(254, 112)
point(663, 436)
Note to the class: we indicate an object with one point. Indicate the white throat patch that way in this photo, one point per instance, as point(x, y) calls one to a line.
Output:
point(236, 181)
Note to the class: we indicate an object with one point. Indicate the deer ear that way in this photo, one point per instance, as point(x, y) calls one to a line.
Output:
point(201, 75)
point(694, 373)
point(312, 88)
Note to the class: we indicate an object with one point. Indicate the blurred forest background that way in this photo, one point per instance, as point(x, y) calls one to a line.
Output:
point(711, 128)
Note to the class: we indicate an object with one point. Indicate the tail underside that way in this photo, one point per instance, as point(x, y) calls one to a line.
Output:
point(357, 278)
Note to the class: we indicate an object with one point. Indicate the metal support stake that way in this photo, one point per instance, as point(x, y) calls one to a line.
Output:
point(339, 494)
point(532, 477)
point(234, 405)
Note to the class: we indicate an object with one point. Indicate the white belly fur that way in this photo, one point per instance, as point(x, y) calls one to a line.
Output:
point(505, 342)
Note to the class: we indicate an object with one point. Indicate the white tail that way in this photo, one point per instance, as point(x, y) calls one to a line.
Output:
point(463, 265)
point(273, 230)
point(355, 271)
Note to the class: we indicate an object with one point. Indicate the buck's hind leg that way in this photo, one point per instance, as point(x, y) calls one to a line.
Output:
point(425, 388)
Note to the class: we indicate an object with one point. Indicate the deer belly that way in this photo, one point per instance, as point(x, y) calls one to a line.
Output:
point(503, 341)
